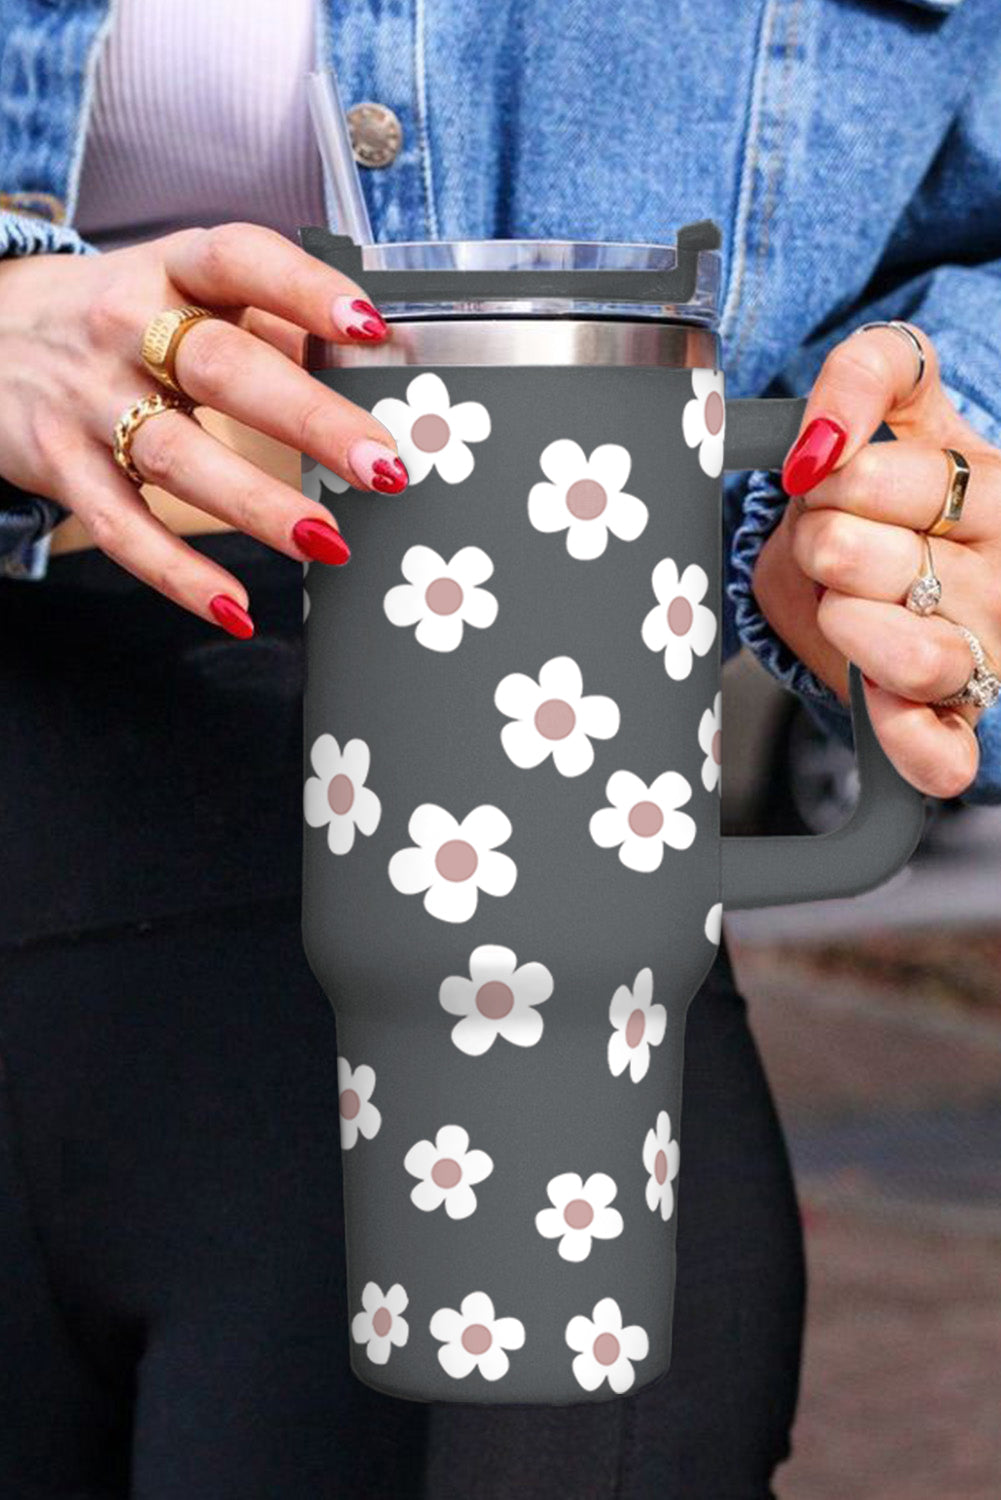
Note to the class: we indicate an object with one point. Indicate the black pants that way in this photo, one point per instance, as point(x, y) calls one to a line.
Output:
point(172, 1316)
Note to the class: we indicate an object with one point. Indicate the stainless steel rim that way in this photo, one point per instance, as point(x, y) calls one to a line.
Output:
point(527, 341)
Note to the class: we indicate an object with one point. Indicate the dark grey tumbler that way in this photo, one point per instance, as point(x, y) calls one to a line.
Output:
point(513, 871)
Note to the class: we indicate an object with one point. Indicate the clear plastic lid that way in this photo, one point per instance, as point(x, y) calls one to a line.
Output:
point(546, 255)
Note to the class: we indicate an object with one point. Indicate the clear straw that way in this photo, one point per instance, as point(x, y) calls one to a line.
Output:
point(334, 141)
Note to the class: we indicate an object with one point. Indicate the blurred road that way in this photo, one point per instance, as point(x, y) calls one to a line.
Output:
point(879, 1021)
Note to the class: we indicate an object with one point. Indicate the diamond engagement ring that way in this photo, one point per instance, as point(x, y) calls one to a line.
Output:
point(925, 593)
point(982, 688)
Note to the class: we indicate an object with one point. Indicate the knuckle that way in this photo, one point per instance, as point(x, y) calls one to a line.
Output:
point(921, 670)
point(311, 427)
point(103, 520)
point(217, 248)
point(155, 448)
point(859, 365)
point(108, 318)
point(835, 549)
point(209, 359)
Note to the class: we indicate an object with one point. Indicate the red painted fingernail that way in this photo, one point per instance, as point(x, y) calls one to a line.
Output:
point(378, 467)
point(232, 616)
point(320, 542)
point(813, 455)
point(359, 319)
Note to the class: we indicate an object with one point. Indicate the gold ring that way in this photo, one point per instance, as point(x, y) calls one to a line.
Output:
point(955, 495)
point(131, 420)
point(162, 338)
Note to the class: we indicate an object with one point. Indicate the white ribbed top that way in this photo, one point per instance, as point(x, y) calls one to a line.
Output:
point(199, 116)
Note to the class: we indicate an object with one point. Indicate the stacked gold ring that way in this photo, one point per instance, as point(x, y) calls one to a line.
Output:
point(162, 338)
point(955, 494)
point(131, 420)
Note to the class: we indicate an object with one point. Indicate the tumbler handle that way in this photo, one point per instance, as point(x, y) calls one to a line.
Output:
point(883, 831)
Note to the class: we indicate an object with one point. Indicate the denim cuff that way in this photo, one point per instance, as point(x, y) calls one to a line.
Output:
point(763, 504)
point(25, 519)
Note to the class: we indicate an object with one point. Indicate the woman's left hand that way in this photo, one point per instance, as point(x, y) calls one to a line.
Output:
point(833, 577)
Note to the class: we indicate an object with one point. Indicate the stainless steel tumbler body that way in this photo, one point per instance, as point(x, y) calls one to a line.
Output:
point(513, 872)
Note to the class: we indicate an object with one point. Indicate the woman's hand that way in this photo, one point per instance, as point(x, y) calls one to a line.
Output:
point(833, 577)
point(70, 332)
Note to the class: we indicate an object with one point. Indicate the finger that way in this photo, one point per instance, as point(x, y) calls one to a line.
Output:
point(922, 660)
point(177, 454)
point(246, 265)
point(867, 379)
point(288, 338)
point(935, 750)
point(120, 524)
point(906, 483)
point(873, 561)
point(225, 367)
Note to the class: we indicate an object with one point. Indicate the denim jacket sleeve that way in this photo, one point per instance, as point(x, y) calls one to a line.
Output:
point(954, 223)
point(26, 520)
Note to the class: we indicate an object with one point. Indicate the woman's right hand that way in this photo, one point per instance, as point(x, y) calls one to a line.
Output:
point(70, 332)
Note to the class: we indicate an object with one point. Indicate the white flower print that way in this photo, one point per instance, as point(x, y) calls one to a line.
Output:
point(552, 717)
point(704, 419)
point(679, 624)
point(580, 1213)
point(472, 1338)
point(317, 477)
point(451, 862)
point(606, 1350)
point(448, 1172)
point(661, 1158)
point(441, 597)
point(497, 1000)
point(430, 432)
point(337, 795)
point(638, 1024)
point(380, 1326)
point(710, 743)
point(585, 497)
point(359, 1115)
point(642, 819)
point(714, 923)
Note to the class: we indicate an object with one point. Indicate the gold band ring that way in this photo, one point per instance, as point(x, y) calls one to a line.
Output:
point(162, 338)
point(955, 495)
point(131, 420)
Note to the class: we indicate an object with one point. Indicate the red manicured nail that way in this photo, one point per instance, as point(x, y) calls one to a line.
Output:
point(232, 616)
point(359, 319)
point(378, 467)
point(320, 542)
point(813, 455)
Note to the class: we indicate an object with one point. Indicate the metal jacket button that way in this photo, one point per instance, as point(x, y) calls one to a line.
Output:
point(376, 134)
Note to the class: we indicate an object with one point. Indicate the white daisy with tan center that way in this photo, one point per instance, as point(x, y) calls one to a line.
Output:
point(380, 1325)
point(679, 625)
point(472, 1338)
point(703, 420)
point(441, 597)
point(430, 432)
point(358, 1115)
point(643, 820)
point(711, 745)
point(661, 1157)
point(316, 477)
point(499, 999)
point(448, 1171)
point(581, 1212)
point(552, 716)
point(337, 795)
point(451, 862)
point(714, 923)
point(606, 1349)
point(586, 497)
point(638, 1024)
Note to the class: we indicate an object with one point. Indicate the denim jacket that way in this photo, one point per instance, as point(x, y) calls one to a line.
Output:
point(850, 150)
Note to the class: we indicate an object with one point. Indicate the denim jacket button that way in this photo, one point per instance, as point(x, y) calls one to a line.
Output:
point(39, 205)
point(376, 134)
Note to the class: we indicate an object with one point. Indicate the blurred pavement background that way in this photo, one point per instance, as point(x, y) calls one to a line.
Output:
point(879, 1020)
